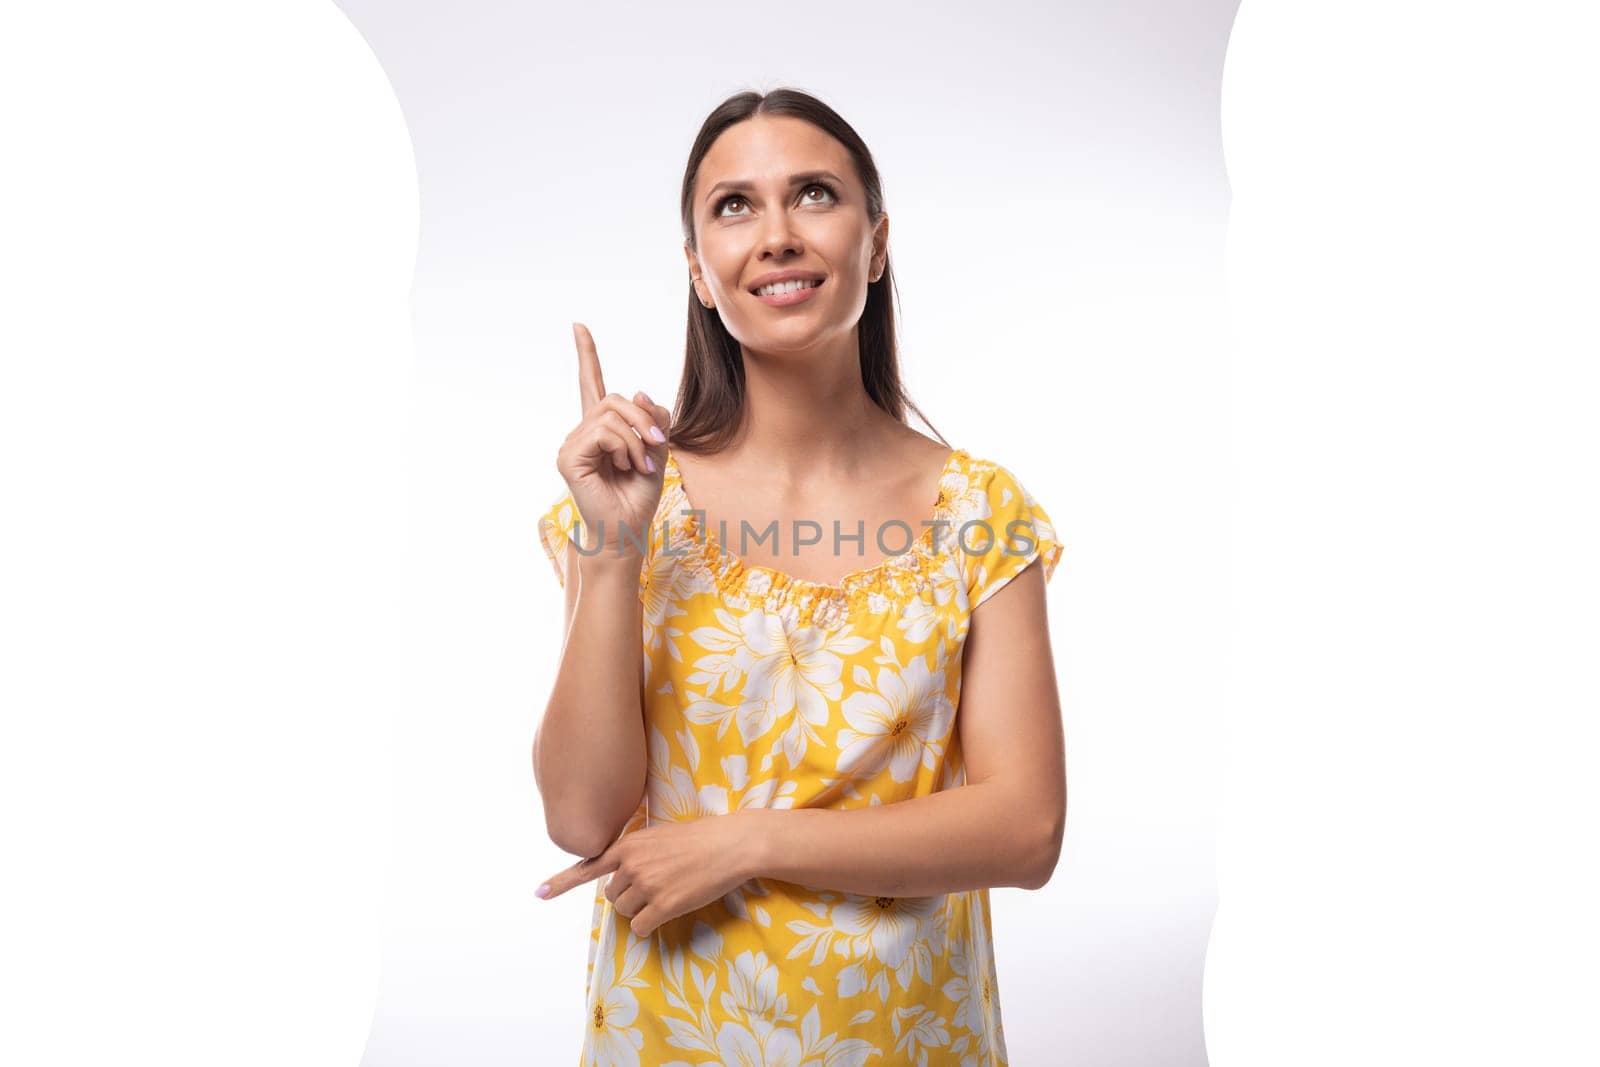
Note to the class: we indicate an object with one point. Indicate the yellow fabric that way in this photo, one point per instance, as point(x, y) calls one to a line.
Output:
point(761, 689)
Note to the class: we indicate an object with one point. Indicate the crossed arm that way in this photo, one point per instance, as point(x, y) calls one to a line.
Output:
point(1003, 828)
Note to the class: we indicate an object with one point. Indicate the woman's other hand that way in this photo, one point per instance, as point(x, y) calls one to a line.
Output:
point(661, 872)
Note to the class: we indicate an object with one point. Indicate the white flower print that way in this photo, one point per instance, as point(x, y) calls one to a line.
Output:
point(947, 580)
point(738, 1047)
point(770, 692)
point(885, 935)
point(736, 769)
point(727, 657)
point(828, 1050)
point(665, 588)
point(989, 992)
point(737, 904)
point(771, 793)
point(927, 1029)
point(753, 990)
point(671, 792)
point(973, 990)
point(965, 499)
point(611, 1042)
point(918, 619)
point(674, 797)
point(798, 672)
point(749, 1034)
point(886, 928)
point(964, 989)
point(902, 724)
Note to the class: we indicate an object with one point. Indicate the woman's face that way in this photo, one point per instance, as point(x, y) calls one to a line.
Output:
point(761, 207)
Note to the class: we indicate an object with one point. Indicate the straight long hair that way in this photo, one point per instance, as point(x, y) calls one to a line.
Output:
point(710, 403)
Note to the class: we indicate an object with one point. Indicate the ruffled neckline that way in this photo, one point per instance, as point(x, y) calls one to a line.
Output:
point(804, 601)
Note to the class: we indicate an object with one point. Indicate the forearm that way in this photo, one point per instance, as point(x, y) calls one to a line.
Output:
point(969, 837)
point(589, 754)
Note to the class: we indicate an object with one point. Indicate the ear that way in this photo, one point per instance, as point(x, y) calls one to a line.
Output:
point(701, 289)
point(880, 247)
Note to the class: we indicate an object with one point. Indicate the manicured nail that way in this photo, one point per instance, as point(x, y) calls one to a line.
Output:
point(543, 891)
point(655, 432)
point(649, 464)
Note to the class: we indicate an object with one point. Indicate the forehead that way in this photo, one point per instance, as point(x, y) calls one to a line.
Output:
point(767, 148)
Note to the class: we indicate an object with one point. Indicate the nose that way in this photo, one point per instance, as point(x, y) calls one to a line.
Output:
point(778, 237)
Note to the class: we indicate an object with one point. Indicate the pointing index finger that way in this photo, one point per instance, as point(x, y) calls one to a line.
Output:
point(591, 384)
point(585, 870)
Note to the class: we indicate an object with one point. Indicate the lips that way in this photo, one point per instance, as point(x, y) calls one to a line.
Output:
point(776, 276)
point(796, 296)
point(814, 283)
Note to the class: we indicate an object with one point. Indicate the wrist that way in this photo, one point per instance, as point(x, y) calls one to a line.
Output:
point(755, 855)
point(609, 565)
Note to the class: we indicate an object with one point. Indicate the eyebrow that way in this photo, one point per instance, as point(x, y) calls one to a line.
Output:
point(794, 179)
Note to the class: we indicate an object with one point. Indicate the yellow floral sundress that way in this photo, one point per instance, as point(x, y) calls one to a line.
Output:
point(763, 689)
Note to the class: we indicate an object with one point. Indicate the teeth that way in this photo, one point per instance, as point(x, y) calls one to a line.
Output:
point(785, 287)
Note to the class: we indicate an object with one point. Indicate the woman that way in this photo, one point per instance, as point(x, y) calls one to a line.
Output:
point(798, 878)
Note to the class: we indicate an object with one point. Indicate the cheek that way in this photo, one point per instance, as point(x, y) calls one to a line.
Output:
point(724, 270)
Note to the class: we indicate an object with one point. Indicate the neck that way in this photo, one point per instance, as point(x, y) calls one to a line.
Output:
point(805, 410)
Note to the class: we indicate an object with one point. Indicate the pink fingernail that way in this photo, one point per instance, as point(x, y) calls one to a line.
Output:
point(543, 891)
point(649, 464)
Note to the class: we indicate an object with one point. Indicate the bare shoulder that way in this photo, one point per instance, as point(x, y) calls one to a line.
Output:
point(913, 455)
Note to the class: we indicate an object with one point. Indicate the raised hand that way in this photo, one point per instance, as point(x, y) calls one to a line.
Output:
point(612, 461)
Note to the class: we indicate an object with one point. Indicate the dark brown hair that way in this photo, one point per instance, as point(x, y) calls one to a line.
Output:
point(710, 402)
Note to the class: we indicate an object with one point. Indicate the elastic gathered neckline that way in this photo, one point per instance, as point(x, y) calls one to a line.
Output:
point(875, 587)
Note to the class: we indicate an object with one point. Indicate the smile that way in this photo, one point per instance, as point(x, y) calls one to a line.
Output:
point(785, 294)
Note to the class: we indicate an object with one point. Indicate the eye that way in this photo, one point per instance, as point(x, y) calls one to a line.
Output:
point(824, 186)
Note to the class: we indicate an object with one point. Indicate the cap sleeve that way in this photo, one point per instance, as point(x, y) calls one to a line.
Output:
point(557, 526)
point(997, 546)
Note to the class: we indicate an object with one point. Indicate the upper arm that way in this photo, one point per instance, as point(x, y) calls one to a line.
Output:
point(1009, 721)
point(1009, 718)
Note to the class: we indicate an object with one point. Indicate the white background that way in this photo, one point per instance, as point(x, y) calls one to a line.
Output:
point(1057, 206)
point(1329, 531)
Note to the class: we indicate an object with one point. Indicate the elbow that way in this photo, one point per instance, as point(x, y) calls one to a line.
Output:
point(583, 841)
point(576, 837)
point(1045, 853)
point(587, 834)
